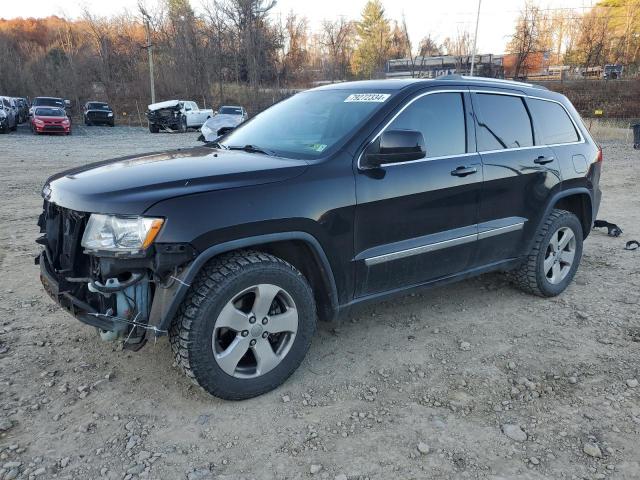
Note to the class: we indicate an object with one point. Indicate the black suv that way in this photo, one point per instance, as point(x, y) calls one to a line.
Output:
point(336, 196)
point(98, 113)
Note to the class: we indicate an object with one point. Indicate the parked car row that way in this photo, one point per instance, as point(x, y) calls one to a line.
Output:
point(50, 114)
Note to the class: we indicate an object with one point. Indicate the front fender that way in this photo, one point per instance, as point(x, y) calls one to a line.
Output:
point(167, 301)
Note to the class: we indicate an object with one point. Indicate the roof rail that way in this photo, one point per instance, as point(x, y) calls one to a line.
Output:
point(491, 80)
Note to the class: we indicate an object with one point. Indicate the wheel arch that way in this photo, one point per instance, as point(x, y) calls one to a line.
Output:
point(577, 201)
point(294, 247)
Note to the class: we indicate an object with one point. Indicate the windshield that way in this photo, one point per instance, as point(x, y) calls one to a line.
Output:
point(98, 106)
point(50, 112)
point(307, 124)
point(230, 110)
point(48, 102)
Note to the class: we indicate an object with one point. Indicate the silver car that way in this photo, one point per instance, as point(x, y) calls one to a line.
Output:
point(8, 115)
point(225, 120)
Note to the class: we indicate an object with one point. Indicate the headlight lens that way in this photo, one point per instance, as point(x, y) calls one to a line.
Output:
point(110, 114)
point(120, 234)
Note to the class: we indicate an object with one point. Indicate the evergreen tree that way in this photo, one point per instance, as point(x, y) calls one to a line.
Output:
point(374, 41)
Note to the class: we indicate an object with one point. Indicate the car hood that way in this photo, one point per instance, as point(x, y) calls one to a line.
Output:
point(131, 185)
point(219, 121)
point(166, 104)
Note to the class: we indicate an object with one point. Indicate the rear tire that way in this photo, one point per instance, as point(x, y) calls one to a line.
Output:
point(222, 317)
point(554, 258)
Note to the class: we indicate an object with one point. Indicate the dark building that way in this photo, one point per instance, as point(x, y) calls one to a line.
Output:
point(432, 67)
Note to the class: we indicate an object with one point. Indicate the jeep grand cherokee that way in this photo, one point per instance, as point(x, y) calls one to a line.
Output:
point(339, 195)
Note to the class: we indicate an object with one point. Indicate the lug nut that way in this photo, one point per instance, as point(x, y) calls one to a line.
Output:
point(252, 319)
point(252, 343)
point(265, 320)
point(265, 334)
point(245, 333)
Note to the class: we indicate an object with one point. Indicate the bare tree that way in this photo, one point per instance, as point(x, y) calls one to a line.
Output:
point(460, 47)
point(526, 38)
point(337, 38)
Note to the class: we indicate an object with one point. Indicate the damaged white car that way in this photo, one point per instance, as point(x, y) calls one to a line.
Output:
point(177, 115)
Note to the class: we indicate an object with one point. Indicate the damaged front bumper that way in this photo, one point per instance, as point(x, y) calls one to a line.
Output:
point(128, 298)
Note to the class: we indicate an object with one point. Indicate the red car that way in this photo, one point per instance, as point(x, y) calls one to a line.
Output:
point(50, 120)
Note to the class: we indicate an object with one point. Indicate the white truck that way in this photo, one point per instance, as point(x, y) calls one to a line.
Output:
point(177, 115)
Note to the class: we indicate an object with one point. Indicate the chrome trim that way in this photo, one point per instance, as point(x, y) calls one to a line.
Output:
point(428, 159)
point(431, 247)
point(523, 95)
point(470, 90)
point(430, 92)
point(499, 231)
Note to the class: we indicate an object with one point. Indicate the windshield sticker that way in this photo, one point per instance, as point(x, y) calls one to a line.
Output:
point(318, 147)
point(367, 97)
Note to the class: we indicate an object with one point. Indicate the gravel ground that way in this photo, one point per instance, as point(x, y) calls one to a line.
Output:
point(472, 380)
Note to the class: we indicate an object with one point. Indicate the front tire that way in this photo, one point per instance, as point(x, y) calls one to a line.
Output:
point(245, 326)
point(554, 258)
point(183, 125)
point(153, 128)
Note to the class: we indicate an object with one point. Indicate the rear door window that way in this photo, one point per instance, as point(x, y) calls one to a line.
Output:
point(440, 118)
point(553, 122)
point(503, 122)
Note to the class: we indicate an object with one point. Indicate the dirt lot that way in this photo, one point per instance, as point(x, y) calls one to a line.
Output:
point(473, 380)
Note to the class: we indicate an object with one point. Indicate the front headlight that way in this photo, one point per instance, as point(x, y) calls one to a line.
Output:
point(110, 114)
point(120, 234)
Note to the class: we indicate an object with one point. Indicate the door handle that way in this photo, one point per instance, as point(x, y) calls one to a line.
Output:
point(464, 171)
point(541, 160)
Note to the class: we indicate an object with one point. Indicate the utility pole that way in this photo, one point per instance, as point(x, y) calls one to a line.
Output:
point(149, 47)
point(475, 40)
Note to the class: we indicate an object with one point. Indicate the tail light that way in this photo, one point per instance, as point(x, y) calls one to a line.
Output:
point(599, 157)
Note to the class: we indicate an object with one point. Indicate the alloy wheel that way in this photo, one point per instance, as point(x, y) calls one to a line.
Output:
point(254, 331)
point(560, 255)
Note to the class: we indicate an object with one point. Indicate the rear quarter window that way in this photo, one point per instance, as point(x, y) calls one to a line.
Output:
point(503, 122)
point(553, 122)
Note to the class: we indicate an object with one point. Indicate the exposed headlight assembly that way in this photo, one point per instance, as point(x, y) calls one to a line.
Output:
point(113, 233)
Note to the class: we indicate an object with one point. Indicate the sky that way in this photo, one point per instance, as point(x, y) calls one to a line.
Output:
point(435, 17)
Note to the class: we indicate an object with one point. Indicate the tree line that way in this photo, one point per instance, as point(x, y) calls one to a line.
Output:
point(608, 33)
point(230, 51)
point(240, 51)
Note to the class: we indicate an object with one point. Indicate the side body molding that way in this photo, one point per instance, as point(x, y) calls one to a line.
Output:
point(168, 300)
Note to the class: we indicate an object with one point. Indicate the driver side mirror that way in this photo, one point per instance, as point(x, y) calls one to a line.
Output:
point(394, 146)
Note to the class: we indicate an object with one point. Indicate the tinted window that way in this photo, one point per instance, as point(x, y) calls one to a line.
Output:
point(503, 122)
point(553, 122)
point(97, 106)
point(50, 112)
point(230, 111)
point(440, 118)
point(48, 102)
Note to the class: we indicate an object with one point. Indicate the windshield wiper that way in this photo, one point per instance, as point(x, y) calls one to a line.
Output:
point(253, 149)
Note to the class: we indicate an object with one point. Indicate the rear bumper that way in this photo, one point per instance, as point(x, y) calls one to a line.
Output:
point(76, 307)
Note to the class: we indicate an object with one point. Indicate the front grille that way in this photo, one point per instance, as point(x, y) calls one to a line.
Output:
point(63, 229)
point(97, 115)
